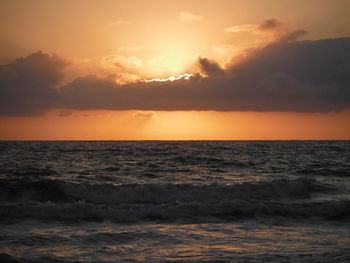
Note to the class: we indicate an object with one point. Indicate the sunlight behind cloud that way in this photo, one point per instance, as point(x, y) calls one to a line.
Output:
point(171, 60)
point(171, 78)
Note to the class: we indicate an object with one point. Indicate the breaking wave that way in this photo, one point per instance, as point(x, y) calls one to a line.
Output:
point(58, 200)
point(59, 191)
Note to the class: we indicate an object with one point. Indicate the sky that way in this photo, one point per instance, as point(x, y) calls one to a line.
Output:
point(174, 70)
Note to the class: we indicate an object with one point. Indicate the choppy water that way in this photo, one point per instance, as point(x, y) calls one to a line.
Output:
point(227, 201)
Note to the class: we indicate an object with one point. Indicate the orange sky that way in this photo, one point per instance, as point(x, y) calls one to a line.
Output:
point(136, 41)
point(177, 125)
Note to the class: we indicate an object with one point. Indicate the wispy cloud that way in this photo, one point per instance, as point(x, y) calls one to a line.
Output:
point(271, 28)
point(189, 17)
point(242, 28)
point(264, 26)
point(127, 63)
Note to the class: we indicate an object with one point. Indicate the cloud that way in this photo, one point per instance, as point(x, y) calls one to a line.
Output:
point(65, 113)
point(125, 68)
point(26, 84)
point(265, 26)
point(301, 76)
point(146, 114)
point(122, 63)
point(269, 24)
point(209, 68)
point(272, 28)
point(189, 17)
point(242, 28)
point(286, 75)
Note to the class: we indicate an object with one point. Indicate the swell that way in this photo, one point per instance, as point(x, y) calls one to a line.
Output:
point(174, 211)
point(65, 201)
point(339, 171)
point(66, 192)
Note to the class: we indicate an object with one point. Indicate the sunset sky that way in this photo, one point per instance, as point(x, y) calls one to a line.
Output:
point(192, 70)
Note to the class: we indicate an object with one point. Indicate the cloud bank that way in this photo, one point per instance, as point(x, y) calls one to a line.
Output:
point(27, 84)
point(285, 75)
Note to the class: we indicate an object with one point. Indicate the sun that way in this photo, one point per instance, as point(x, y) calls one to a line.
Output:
point(172, 62)
point(172, 58)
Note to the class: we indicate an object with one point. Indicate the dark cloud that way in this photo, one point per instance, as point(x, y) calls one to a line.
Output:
point(209, 68)
point(309, 76)
point(281, 31)
point(269, 24)
point(273, 30)
point(146, 114)
point(297, 76)
point(304, 76)
point(26, 84)
point(93, 92)
point(65, 113)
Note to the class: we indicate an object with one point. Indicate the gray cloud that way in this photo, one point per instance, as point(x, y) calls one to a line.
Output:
point(209, 67)
point(303, 76)
point(26, 84)
point(146, 114)
point(65, 113)
point(269, 24)
point(273, 31)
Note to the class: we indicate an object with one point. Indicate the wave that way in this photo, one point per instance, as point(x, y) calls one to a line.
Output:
point(341, 172)
point(66, 192)
point(66, 201)
point(31, 171)
point(174, 211)
point(210, 161)
point(339, 255)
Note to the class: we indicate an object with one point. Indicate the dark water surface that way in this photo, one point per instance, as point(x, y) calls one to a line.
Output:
point(186, 201)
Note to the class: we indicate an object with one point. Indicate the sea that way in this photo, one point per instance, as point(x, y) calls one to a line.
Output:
point(174, 201)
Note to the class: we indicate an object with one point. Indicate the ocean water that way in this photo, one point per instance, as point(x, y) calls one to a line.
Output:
point(184, 201)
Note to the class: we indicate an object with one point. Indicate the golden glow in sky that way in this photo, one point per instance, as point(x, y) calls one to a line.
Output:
point(177, 125)
point(154, 69)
